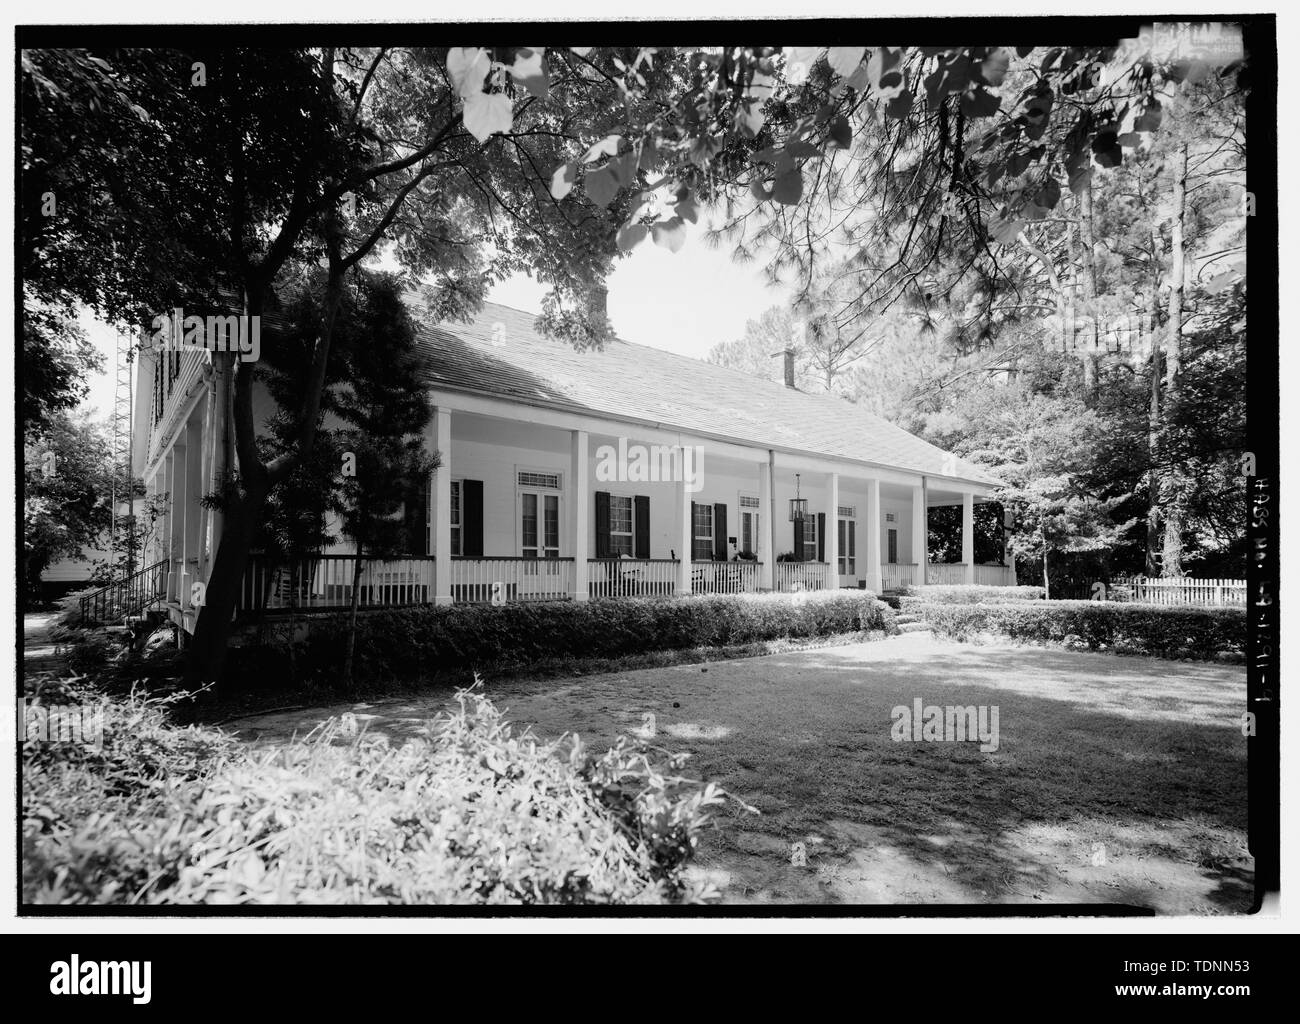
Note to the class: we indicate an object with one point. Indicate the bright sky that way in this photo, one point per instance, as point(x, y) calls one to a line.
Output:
point(684, 302)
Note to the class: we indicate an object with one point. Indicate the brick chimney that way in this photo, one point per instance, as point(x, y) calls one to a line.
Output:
point(789, 365)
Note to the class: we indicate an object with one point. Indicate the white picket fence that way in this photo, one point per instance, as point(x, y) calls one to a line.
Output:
point(1178, 590)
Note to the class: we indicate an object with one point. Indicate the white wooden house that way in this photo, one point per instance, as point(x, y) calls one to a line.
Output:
point(576, 475)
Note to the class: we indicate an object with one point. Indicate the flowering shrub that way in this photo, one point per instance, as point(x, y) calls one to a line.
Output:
point(472, 812)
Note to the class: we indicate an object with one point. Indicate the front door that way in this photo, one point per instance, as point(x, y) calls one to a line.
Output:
point(848, 553)
point(539, 535)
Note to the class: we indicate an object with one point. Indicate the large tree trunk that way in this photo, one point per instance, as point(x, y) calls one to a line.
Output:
point(352, 620)
point(1173, 491)
point(1088, 281)
point(1047, 586)
point(207, 653)
point(1153, 546)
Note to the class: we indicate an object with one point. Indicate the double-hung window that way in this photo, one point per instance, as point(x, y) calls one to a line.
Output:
point(702, 550)
point(621, 517)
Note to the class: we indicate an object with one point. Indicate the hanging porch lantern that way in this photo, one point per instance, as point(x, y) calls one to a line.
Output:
point(798, 505)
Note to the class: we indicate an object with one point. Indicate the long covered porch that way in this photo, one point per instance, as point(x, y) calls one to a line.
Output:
point(533, 504)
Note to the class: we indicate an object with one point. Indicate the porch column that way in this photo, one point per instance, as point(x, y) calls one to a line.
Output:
point(579, 511)
point(766, 552)
point(438, 437)
point(833, 532)
point(968, 537)
point(919, 531)
point(687, 532)
point(176, 521)
point(874, 581)
point(192, 537)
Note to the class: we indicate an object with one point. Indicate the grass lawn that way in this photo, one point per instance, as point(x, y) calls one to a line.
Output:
point(1117, 780)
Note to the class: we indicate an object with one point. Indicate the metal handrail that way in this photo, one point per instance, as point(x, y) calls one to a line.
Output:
point(129, 596)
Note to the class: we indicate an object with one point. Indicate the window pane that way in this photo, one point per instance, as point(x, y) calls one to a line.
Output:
point(529, 531)
point(702, 548)
point(552, 524)
point(620, 514)
point(455, 503)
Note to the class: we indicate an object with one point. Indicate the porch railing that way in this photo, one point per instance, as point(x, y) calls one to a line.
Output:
point(631, 577)
point(945, 573)
point(326, 581)
point(897, 575)
point(129, 596)
point(795, 576)
point(739, 577)
point(504, 580)
point(995, 576)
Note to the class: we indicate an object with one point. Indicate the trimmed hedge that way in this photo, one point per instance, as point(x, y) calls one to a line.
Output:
point(413, 643)
point(961, 593)
point(1159, 631)
point(471, 812)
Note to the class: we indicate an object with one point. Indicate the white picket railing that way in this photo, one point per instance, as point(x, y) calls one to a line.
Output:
point(631, 577)
point(492, 580)
point(945, 573)
point(326, 581)
point(897, 575)
point(739, 577)
point(797, 576)
point(995, 576)
point(1178, 590)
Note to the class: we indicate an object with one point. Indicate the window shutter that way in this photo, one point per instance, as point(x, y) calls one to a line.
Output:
point(641, 538)
point(691, 554)
point(720, 532)
point(471, 518)
point(798, 540)
point(821, 536)
point(602, 524)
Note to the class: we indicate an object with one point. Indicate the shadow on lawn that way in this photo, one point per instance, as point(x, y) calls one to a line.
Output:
point(1140, 764)
point(1116, 780)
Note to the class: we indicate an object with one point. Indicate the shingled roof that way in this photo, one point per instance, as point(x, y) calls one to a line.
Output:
point(500, 353)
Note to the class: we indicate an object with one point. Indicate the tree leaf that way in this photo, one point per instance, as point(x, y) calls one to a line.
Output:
point(900, 105)
point(994, 66)
point(601, 185)
point(885, 71)
point(788, 188)
point(608, 146)
point(528, 70)
point(841, 133)
point(487, 113)
point(1150, 118)
point(468, 66)
point(979, 102)
point(671, 233)
point(799, 61)
point(630, 236)
point(844, 59)
point(750, 116)
point(563, 178)
point(1005, 229)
